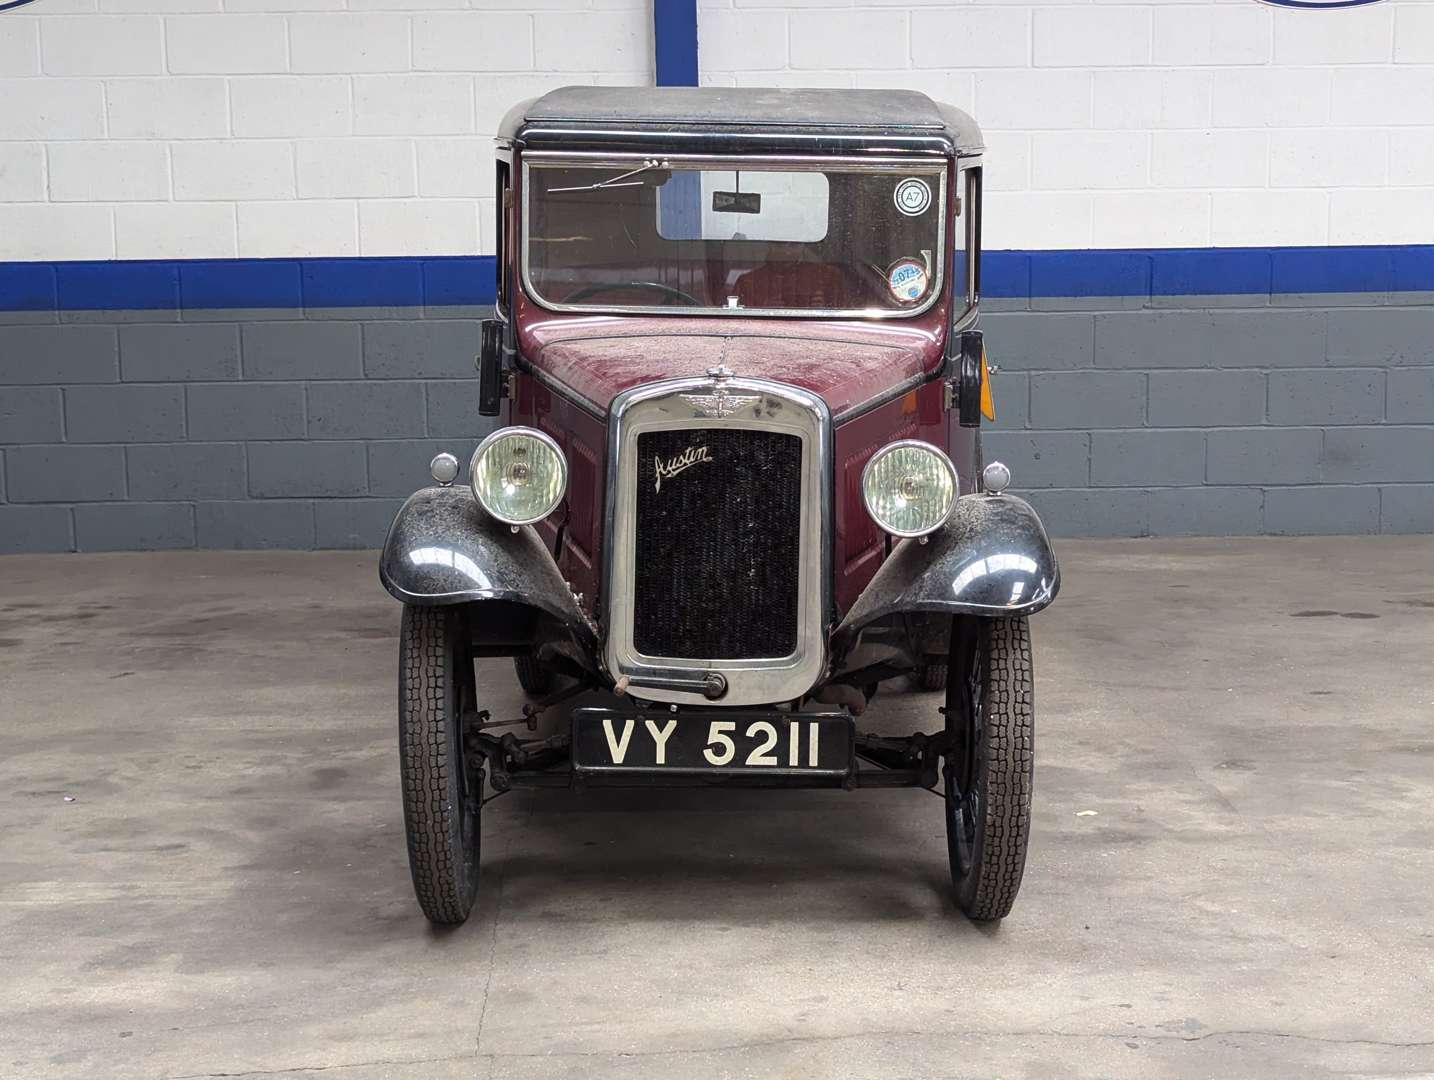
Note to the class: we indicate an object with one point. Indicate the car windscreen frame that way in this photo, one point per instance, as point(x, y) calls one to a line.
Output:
point(793, 163)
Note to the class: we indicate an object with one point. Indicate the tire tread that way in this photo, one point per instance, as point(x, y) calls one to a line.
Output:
point(1007, 761)
point(535, 677)
point(431, 816)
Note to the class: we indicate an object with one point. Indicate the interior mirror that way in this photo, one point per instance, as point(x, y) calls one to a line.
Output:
point(737, 202)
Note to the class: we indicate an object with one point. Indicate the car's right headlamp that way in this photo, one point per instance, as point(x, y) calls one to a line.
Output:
point(519, 475)
point(909, 488)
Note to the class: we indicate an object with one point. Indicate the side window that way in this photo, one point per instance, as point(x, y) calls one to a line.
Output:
point(960, 227)
point(966, 243)
point(503, 203)
point(972, 235)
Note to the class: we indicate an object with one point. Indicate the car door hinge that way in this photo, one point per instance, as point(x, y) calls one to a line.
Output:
point(510, 384)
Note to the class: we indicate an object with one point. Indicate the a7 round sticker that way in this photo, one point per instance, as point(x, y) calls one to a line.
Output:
point(907, 280)
point(912, 196)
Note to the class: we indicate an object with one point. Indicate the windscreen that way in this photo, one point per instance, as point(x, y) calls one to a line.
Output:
point(736, 237)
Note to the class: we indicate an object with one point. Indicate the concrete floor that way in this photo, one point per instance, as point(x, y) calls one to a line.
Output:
point(228, 893)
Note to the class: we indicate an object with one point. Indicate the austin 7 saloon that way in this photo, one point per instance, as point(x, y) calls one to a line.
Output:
point(736, 482)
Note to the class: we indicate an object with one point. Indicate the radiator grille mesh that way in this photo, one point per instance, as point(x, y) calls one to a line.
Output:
point(718, 543)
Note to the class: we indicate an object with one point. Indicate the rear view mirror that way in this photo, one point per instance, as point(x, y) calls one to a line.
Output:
point(737, 202)
point(490, 367)
point(968, 380)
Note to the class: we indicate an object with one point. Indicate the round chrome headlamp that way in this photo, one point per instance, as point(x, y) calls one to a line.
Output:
point(519, 475)
point(909, 488)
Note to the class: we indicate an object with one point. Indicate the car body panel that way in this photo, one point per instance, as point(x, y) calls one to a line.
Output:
point(992, 558)
point(848, 363)
point(920, 413)
point(572, 533)
point(444, 549)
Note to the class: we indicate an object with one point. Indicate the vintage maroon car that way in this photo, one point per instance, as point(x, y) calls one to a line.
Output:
point(738, 482)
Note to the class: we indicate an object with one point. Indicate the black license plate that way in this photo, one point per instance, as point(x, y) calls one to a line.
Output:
point(613, 740)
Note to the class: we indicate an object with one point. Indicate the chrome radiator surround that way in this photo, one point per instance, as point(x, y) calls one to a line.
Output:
point(752, 404)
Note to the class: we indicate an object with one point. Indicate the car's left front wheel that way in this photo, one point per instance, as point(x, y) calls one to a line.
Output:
point(990, 724)
point(442, 793)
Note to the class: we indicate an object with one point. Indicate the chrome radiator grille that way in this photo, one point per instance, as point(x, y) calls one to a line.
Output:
point(718, 539)
point(717, 543)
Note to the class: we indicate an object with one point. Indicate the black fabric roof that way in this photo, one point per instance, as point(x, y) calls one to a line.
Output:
point(732, 118)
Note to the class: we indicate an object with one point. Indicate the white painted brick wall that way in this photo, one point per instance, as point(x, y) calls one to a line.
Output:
point(413, 104)
point(226, 44)
point(20, 47)
point(432, 226)
point(171, 108)
point(22, 172)
point(298, 106)
point(238, 169)
point(306, 227)
point(356, 168)
point(93, 172)
point(212, 128)
point(1114, 123)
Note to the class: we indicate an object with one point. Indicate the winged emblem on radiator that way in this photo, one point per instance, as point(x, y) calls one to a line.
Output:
point(721, 402)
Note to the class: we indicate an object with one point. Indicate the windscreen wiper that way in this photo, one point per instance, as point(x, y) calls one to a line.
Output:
point(621, 180)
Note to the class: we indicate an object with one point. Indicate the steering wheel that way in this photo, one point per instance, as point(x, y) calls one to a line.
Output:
point(670, 294)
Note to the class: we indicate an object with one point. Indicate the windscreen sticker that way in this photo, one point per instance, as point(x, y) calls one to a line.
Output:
point(907, 279)
point(912, 196)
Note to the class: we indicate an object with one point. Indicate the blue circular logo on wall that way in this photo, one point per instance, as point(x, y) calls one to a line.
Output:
point(6, 5)
point(1319, 3)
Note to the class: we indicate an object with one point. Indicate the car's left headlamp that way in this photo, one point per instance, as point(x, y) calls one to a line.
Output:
point(909, 488)
point(519, 475)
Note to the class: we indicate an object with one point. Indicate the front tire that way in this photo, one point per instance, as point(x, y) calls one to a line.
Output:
point(442, 799)
point(930, 676)
point(990, 717)
point(535, 677)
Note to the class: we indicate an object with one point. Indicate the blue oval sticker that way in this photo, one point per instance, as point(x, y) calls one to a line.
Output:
point(1319, 3)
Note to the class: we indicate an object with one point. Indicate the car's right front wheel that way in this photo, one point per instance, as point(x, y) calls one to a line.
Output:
point(990, 722)
point(442, 788)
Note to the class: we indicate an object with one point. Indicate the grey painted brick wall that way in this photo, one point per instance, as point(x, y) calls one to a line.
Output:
point(270, 429)
point(227, 429)
point(1307, 415)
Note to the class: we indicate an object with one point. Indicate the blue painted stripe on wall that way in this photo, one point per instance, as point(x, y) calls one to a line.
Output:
point(674, 41)
point(246, 283)
point(449, 280)
point(1214, 271)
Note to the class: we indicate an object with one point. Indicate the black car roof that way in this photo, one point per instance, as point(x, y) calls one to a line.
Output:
point(676, 119)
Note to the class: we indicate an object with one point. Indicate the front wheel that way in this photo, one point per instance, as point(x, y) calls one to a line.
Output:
point(442, 798)
point(930, 676)
point(990, 717)
point(535, 677)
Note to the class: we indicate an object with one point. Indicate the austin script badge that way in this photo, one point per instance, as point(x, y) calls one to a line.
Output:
point(693, 455)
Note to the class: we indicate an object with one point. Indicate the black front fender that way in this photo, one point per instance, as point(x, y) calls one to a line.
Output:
point(992, 558)
point(444, 549)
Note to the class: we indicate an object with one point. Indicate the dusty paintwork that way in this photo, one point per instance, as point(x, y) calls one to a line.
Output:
point(845, 361)
point(574, 531)
point(918, 414)
point(992, 558)
point(591, 359)
point(443, 549)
